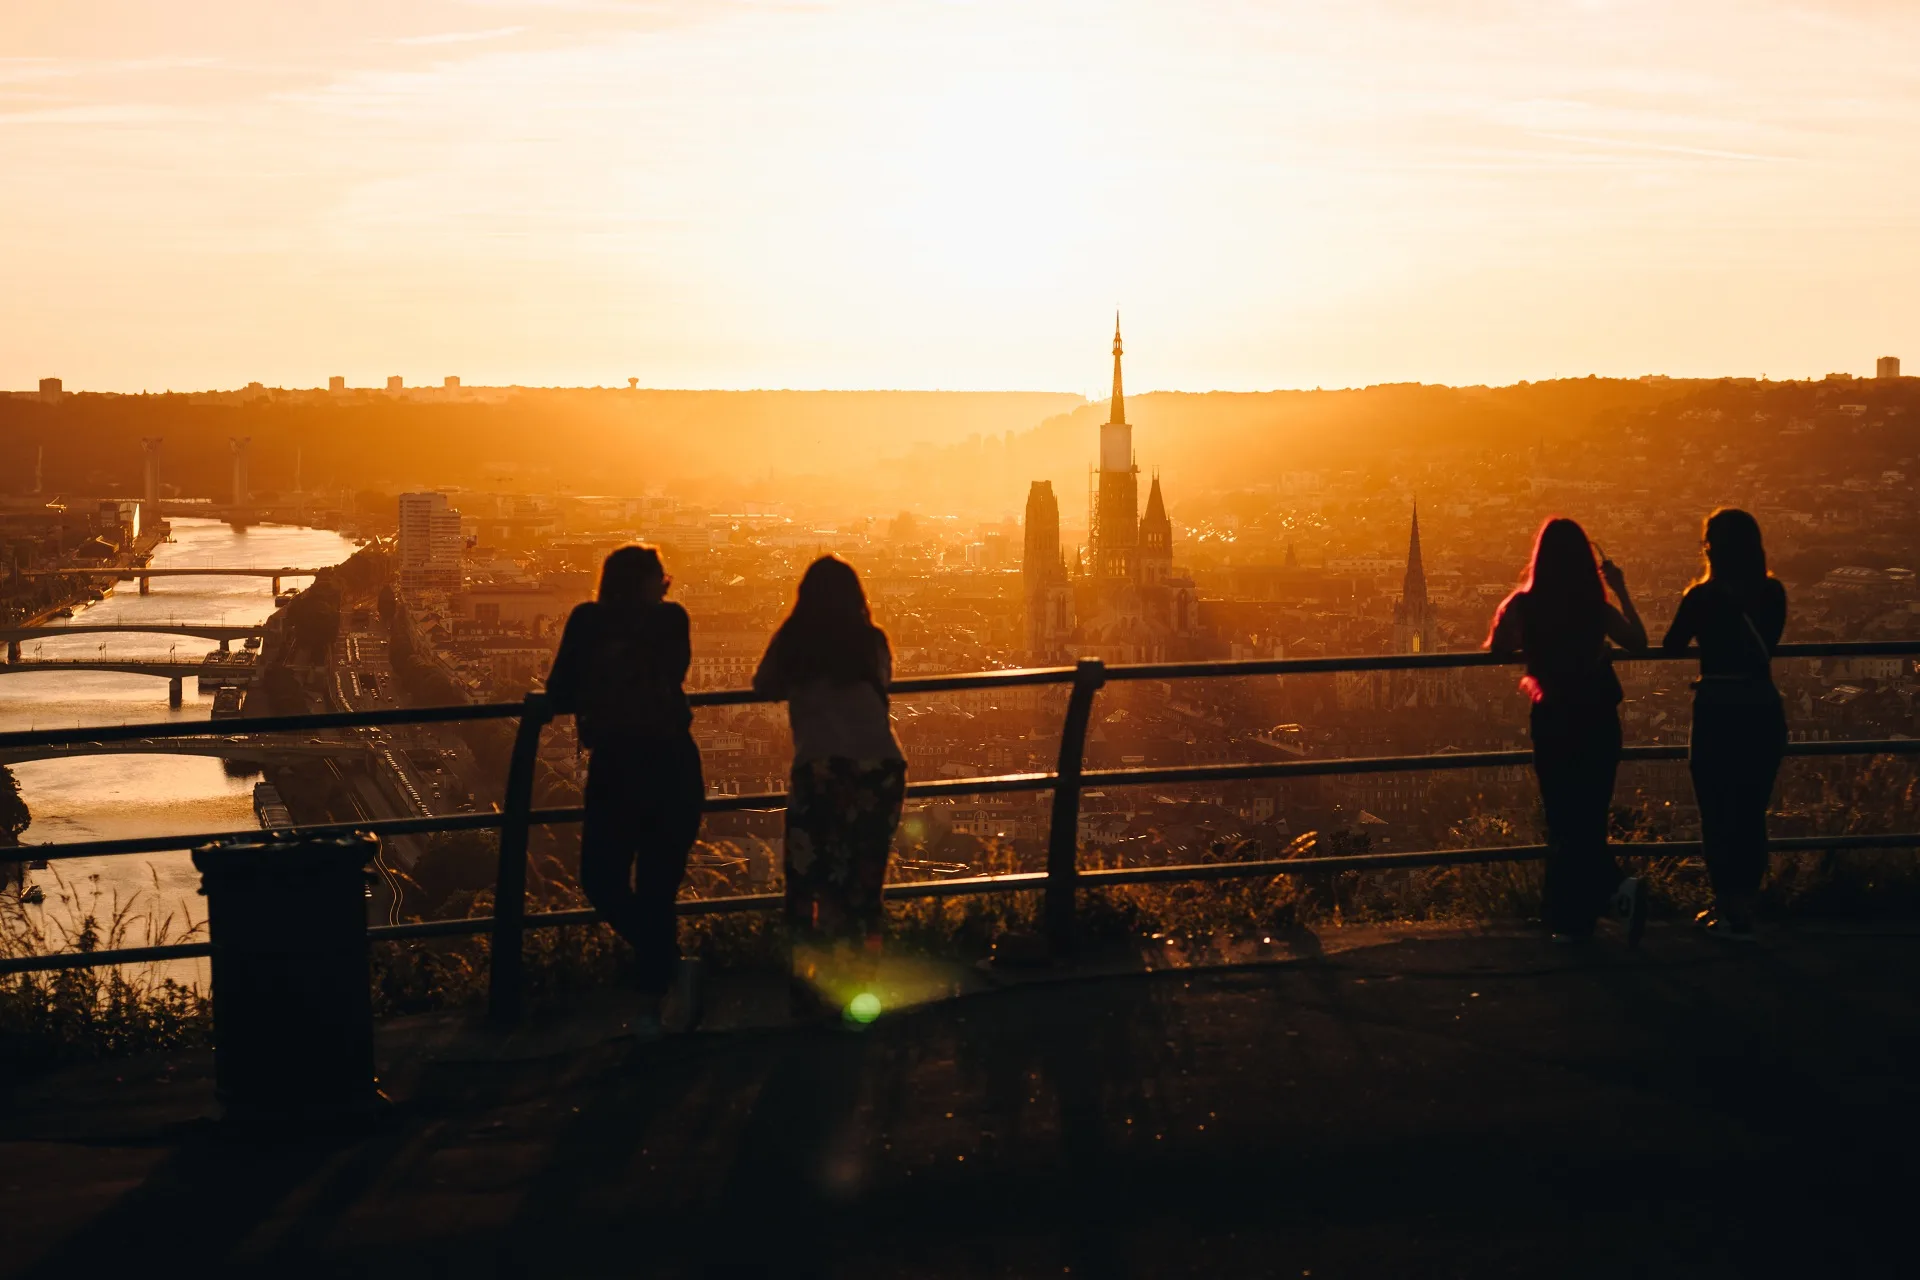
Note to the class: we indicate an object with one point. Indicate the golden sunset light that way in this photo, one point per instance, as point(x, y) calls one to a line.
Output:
point(850, 639)
point(933, 194)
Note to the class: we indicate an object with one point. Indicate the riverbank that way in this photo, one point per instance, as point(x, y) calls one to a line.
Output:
point(106, 796)
point(80, 592)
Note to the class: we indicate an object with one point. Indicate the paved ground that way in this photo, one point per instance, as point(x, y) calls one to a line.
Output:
point(1450, 1106)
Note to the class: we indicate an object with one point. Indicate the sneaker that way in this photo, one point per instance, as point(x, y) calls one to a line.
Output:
point(690, 991)
point(1630, 904)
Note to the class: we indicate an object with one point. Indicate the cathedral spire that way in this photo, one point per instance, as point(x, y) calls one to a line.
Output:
point(1119, 402)
point(1156, 506)
point(1415, 587)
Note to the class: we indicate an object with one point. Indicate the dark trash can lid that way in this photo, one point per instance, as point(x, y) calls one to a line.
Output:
point(271, 853)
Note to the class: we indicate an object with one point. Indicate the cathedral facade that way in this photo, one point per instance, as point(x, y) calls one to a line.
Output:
point(1127, 602)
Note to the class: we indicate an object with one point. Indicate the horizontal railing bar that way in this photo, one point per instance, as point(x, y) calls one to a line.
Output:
point(1452, 857)
point(1012, 677)
point(1303, 866)
point(1188, 773)
point(100, 959)
point(1445, 661)
point(1018, 882)
point(767, 800)
point(1855, 747)
point(1302, 666)
point(1337, 765)
point(906, 686)
point(259, 724)
point(160, 844)
point(1166, 775)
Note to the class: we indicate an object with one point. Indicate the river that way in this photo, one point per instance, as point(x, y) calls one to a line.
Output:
point(101, 797)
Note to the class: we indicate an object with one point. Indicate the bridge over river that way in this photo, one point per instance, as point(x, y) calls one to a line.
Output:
point(174, 672)
point(226, 635)
point(120, 572)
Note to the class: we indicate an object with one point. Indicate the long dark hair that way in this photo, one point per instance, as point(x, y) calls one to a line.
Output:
point(631, 578)
point(830, 633)
point(1566, 600)
point(1736, 557)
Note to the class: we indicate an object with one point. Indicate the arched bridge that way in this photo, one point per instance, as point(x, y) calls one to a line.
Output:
point(143, 573)
point(174, 673)
point(15, 636)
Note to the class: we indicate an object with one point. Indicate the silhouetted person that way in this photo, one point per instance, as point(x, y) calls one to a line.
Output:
point(1559, 621)
point(832, 665)
point(622, 660)
point(1736, 612)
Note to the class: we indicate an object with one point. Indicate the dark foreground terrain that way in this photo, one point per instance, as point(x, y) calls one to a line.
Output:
point(1457, 1105)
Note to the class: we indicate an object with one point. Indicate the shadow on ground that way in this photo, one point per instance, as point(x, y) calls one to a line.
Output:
point(1465, 1106)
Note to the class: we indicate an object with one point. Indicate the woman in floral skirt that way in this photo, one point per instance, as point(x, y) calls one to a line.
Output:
point(831, 666)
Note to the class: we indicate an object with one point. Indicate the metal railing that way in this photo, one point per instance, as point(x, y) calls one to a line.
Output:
point(1059, 884)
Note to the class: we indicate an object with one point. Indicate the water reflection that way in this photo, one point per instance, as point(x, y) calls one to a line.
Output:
point(102, 797)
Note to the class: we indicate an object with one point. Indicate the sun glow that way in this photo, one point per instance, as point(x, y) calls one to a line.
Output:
point(868, 194)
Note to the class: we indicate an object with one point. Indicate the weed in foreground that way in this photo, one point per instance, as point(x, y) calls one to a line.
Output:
point(67, 1014)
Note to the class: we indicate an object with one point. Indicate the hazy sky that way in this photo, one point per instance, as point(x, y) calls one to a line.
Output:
point(917, 194)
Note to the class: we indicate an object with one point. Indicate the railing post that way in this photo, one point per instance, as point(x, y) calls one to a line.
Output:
point(1063, 833)
point(510, 883)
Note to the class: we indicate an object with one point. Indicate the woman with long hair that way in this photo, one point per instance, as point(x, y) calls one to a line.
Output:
point(620, 672)
point(831, 665)
point(1736, 611)
point(1559, 622)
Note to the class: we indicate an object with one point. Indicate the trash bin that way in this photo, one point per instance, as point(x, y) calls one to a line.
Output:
point(292, 999)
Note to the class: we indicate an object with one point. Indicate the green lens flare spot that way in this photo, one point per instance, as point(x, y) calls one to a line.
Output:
point(864, 1007)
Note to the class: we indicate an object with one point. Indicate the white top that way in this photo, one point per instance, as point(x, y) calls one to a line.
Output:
point(829, 720)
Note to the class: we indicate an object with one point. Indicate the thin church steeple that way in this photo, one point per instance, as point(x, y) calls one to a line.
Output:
point(1415, 586)
point(1119, 401)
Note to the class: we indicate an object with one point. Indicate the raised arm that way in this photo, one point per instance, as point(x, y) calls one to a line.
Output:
point(768, 681)
point(1624, 627)
point(1505, 638)
point(1685, 626)
point(563, 681)
point(677, 643)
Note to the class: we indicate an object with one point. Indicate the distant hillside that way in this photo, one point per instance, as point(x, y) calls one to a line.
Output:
point(584, 441)
point(1214, 441)
point(848, 452)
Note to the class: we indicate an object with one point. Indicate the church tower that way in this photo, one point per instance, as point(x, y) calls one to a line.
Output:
point(1043, 578)
point(1413, 622)
point(1116, 508)
point(1156, 540)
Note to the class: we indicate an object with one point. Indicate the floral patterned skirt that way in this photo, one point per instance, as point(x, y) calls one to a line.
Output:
point(841, 816)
